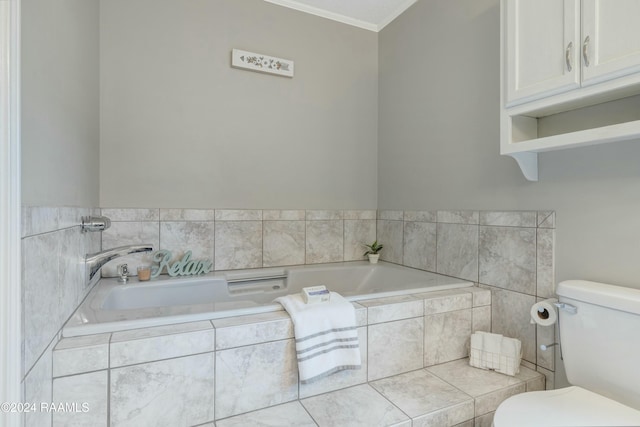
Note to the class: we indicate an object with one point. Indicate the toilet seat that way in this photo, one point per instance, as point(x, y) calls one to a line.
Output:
point(570, 406)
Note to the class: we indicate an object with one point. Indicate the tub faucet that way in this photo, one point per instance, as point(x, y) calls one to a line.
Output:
point(94, 262)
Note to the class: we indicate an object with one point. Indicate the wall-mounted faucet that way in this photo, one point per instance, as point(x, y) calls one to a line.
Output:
point(94, 262)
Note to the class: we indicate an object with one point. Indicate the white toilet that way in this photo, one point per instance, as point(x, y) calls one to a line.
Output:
point(600, 343)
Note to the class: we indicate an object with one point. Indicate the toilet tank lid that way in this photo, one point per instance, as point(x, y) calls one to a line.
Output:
point(612, 296)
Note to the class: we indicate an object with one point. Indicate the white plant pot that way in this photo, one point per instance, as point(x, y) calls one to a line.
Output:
point(373, 258)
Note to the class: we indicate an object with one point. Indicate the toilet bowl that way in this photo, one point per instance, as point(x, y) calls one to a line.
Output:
point(599, 329)
point(570, 406)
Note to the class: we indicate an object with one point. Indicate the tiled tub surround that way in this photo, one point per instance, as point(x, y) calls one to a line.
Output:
point(511, 253)
point(53, 250)
point(237, 370)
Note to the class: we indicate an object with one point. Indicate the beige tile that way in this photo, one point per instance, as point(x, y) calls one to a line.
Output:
point(550, 377)
point(288, 414)
point(458, 217)
point(481, 319)
point(37, 387)
point(324, 215)
point(457, 248)
point(422, 216)
point(125, 351)
point(182, 236)
point(187, 215)
point(128, 214)
point(510, 316)
point(546, 219)
point(90, 389)
point(390, 234)
point(443, 301)
point(325, 241)
point(361, 214)
point(356, 406)
point(238, 215)
point(507, 258)
point(427, 399)
point(545, 271)
point(480, 296)
point(255, 377)
point(170, 392)
point(485, 420)
point(284, 243)
point(391, 215)
point(395, 347)
point(392, 308)
point(420, 245)
point(356, 234)
point(509, 218)
point(283, 215)
point(81, 354)
point(489, 388)
point(238, 244)
point(446, 336)
point(253, 329)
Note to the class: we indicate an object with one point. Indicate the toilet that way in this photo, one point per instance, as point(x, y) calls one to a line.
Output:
point(600, 342)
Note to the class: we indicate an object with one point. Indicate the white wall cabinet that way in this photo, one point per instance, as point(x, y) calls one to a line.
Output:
point(610, 39)
point(560, 56)
point(541, 37)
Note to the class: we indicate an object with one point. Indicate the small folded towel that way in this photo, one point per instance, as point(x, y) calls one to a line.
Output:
point(493, 351)
point(326, 336)
point(510, 355)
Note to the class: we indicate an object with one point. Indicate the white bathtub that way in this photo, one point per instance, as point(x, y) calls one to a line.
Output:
point(112, 306)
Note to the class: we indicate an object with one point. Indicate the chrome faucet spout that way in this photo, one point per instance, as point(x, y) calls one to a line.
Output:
point(94, 262)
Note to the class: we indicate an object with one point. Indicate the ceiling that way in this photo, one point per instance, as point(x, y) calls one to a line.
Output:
point(371, 15)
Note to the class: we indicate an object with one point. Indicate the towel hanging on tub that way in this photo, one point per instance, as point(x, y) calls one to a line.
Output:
point(326, 336)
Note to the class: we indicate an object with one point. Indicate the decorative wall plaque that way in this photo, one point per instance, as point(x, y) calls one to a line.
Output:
point(185, 267)
point(261, 63)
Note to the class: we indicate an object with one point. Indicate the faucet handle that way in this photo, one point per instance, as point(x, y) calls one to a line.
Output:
point(123, 271)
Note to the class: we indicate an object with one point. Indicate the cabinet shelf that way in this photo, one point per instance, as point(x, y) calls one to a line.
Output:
point(572, 82)
point(526, 152)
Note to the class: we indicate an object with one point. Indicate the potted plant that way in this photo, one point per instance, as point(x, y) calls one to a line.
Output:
point(373, 251)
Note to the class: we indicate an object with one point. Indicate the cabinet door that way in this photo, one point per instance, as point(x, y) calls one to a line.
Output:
point(610, 39)
point(541, 38)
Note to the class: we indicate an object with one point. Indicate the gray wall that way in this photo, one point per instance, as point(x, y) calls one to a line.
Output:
point(60, 119)
point(181, 128)
point(439, 144)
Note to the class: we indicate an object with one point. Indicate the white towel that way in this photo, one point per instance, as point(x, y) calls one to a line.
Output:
point(510, 355)
point(326, 336)
point(493, 351)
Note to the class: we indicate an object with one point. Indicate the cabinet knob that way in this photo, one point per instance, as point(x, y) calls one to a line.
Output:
point(568, 56)
point(585, 51)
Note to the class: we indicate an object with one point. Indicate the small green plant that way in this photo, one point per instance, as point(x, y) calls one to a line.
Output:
point(372, 249)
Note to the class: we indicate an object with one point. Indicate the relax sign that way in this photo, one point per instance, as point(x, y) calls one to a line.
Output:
point(185, 267)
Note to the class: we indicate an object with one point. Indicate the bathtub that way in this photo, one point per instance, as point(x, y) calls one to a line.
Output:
point(112, 306)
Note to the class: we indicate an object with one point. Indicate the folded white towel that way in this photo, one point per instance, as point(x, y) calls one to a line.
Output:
point(510, 355)
point(493, 351)
point(326, 336)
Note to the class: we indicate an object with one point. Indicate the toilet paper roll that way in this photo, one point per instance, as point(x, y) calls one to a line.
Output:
point(544, 313)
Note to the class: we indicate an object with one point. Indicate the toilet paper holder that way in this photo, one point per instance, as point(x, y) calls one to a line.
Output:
point(545, 347)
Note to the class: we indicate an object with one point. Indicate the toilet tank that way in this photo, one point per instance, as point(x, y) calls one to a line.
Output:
point(600, 343)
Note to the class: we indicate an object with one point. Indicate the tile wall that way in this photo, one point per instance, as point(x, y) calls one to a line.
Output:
point(511, 253)
point(53, 285)
point(239, 239)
